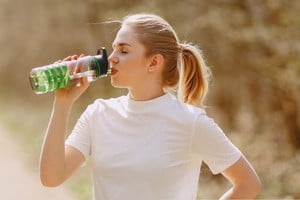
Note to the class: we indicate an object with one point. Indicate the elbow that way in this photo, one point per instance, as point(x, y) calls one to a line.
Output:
point(257, 186)
point(47, 183)
point(254, 185)
point(251, 188)
point(50, 181)
point(50, 177)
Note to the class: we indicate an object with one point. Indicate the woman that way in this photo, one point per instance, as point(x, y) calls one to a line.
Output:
point(148, 144)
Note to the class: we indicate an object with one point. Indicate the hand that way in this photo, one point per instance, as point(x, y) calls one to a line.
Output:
point(77, 86)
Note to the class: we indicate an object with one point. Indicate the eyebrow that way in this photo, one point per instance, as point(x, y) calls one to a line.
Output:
point(121, 44)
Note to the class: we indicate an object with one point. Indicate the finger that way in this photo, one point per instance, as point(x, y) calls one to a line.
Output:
point(67, 58)
point(78, 67)
point(74, 57)
point(84, 83)
point(72, 67)
point(75, 83)
point(79, 84)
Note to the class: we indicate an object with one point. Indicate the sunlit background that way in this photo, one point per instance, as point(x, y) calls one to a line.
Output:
point(252, 46)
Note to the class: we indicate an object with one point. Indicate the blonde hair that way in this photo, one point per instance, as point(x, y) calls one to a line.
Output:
point(184, 63)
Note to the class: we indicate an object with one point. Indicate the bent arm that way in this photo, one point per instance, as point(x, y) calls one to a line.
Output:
point(58, 162)
point(246, 184)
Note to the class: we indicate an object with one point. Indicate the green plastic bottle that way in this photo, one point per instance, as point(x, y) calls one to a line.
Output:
point(59, 75)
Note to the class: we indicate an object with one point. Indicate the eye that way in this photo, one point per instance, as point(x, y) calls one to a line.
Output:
point(123, 50)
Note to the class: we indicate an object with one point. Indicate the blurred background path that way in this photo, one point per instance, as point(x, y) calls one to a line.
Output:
point(18, 180)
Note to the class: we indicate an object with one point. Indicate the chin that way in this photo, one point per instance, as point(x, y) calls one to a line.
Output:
point(116, 84)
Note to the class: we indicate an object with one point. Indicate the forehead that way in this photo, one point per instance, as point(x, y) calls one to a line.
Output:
point(126, 35)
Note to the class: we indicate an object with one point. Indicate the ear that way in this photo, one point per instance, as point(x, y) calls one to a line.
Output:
point(156, 63)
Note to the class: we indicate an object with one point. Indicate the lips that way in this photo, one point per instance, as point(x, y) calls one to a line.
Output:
point(113, 71)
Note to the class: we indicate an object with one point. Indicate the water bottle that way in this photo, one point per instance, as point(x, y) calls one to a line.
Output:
point(59, 75)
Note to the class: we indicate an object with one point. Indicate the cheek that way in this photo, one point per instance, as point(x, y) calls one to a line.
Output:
point(127, 77)
point(132, 71)
point(135, 66)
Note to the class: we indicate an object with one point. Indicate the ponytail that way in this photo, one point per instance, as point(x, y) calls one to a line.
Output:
point(194, 76)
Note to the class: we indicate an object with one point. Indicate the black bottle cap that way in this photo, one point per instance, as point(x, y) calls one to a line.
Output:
point(103, 62)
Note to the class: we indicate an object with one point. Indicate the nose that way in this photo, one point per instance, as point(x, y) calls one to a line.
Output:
point(112, 58)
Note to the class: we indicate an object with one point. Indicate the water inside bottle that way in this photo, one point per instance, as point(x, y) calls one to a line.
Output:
point(49, 79)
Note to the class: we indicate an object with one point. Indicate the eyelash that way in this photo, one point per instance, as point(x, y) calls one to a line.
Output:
point(123, 51)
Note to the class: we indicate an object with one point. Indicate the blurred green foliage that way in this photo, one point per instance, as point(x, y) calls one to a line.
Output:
point(252, 46)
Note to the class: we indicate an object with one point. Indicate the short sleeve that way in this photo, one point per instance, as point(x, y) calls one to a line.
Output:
point(210, 144)
point(80, 137)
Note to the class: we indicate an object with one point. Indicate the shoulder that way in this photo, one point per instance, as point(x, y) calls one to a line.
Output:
point(207, 130)
point(101, 104)
point(184, 112)
point(205, 121)
point(187, 109)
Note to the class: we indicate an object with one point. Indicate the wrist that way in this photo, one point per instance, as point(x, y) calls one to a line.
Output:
point(62, 104)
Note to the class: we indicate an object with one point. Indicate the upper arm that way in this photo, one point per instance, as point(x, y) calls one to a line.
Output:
point(78, 144)
point(212, 146)
point(73, 160)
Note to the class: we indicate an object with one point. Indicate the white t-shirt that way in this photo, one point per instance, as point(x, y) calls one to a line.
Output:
point(149, 149)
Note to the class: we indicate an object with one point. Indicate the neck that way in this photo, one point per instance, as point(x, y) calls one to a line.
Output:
point(145, 94)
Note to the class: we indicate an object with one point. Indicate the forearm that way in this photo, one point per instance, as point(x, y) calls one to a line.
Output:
point(246, 183)
point(52, 161)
